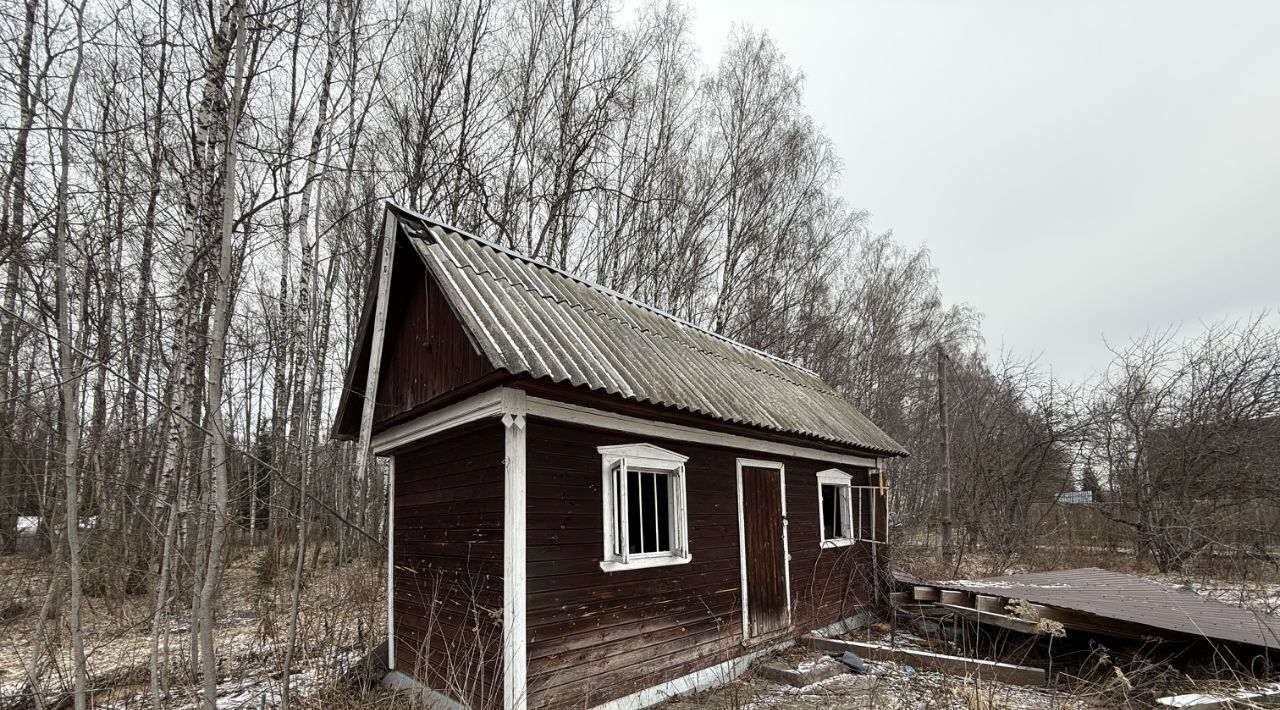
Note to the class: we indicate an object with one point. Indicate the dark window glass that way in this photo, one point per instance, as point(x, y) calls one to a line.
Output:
point(635, 521)
point(664, 512)
point(832, 525)
point(650, 489)
point(648, 512)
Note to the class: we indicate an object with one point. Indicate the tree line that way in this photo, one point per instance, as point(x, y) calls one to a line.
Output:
point(191, 195)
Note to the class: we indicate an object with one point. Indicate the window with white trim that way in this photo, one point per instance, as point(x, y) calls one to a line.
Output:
point(645, 515)
point(835, 508)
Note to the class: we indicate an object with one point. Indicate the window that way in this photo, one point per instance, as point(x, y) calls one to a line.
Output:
point(645, 520)
point(835, 508)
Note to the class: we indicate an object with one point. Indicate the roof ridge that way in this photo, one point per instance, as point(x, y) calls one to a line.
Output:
point(591, 284)
point(600, 314)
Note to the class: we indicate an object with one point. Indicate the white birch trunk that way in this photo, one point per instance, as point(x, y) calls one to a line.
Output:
point(217, 365)
point(70, 375)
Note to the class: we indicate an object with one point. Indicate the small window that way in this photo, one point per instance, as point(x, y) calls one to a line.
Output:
point(835, 508)
point(644, 507)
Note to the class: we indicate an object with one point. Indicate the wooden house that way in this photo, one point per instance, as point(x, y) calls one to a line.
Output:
point(595, 503)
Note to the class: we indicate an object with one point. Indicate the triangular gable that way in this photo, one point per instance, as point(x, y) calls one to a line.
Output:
point(426, 351)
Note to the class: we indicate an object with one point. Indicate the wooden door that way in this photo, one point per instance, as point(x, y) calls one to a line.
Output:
point(762, 515)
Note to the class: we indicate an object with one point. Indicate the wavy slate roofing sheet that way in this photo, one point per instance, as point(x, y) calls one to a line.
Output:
point(1133, 599)
point(527, 317)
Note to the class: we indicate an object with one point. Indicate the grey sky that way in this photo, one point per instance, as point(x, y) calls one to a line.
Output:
point(1077, 169)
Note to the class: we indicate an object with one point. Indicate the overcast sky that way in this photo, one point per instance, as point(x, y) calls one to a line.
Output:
point(1077, 169)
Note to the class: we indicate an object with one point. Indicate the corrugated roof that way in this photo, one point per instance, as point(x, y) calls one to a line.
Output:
point(530, 318)
point(1132, 599)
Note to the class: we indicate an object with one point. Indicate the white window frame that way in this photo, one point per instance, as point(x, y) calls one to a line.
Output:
point(845, 488)
point(872, 489)
point(645, 457)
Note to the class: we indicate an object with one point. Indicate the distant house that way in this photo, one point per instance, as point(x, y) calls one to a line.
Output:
point(596, 503)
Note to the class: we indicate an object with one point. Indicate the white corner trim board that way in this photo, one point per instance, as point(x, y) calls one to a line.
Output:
point(586, 416)
point(391, 564)
point(514, 570)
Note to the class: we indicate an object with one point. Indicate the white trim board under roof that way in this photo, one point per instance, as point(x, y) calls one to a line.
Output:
point(528, 318)
point(492, 403)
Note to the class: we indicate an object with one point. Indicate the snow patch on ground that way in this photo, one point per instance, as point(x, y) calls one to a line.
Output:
point(259, 688)
point(1261, 597)
point(888, 685)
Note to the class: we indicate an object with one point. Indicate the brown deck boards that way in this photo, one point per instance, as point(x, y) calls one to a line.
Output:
point(1132, 600)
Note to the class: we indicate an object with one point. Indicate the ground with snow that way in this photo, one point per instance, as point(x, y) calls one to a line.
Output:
point(1260, 596)
point(887, 686)
point(342, 615)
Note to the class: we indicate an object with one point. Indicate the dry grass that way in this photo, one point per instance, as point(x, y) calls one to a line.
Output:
point(342, 616)
point(888, 685)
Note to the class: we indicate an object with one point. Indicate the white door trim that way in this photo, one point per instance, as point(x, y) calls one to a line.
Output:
point(742, 542)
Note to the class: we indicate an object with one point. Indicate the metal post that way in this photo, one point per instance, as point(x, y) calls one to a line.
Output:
point(945, 493)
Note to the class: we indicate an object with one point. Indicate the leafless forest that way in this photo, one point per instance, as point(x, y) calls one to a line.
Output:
point(190, 195)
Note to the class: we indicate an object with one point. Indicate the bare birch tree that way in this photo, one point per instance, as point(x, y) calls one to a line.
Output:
point(69, 372)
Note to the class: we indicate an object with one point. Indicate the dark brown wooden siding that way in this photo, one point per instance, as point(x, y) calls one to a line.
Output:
point(427, 353)
point(596, 636)
point(448, 555)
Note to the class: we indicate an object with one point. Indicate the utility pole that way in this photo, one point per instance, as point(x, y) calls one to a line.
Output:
point(945, 493)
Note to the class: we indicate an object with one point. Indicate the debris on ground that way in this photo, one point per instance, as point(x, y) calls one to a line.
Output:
point(805, 674)
point(850, 659)
point(1268, 695)
point(886, 684)
point(1093, 601)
